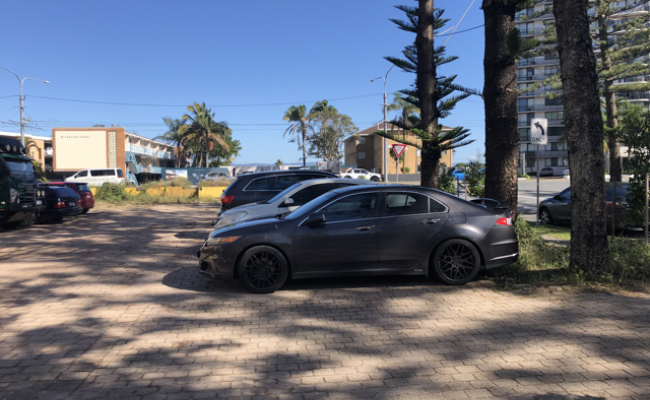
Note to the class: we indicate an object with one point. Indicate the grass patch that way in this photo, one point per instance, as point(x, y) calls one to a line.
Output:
point(555, 231)
point(215, 183)
point(116, 194)
point(176, 182)
point(543, 264)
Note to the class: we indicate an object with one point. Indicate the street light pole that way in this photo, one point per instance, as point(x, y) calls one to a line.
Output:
point(385, 168)
point(22, 98)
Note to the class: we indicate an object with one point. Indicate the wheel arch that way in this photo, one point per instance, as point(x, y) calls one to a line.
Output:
point(244, 250)
point(436, 247)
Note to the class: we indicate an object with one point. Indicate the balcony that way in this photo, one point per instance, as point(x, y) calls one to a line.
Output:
point(152, 170)
point(643, 96)
point(541, 107)
point(534, 77)
point(150, 152)
point(548, 153)
point(526, 62)
point(531, 32)
point(555, 122)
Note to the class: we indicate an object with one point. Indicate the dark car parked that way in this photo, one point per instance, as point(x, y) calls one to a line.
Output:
point(557, 209)
point(82, 189)
point(59, 202)
point(546, 172)
point(364, 230)
point(259, 186)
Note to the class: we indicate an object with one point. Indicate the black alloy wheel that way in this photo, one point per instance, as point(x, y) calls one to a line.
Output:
point(263, 269)
point(456, 262)
point(545, 217)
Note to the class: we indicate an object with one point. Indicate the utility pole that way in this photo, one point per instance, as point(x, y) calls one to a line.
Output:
point(385, 167)
point(22, 104)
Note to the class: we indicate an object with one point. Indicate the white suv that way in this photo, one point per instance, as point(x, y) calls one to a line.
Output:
point(360, 173)
point(97, 177)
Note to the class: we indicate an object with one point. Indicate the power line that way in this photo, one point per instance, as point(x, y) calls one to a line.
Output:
point(464, 30)
point(209, 105)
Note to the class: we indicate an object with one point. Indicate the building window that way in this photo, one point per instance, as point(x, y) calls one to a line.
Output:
point(524, 135)
point(420, 152)
point(362, 155)
point(557, 115)
point(361, 140)
point(551, 162)
point(112, 149)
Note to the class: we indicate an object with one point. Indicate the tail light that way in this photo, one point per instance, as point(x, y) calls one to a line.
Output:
point(59, 204)
point(611, 203)
point(227, 199)
point(505, 221)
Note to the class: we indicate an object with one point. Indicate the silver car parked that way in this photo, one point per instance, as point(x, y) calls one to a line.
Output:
point(288, 200)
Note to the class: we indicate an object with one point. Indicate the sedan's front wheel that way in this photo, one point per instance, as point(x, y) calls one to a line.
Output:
point(263, 269)
point(456, 262)
point(545, 217)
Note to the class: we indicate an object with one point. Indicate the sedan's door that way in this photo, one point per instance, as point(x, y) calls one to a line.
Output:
point(409, 229)
point(561, 210)
point(346, 242)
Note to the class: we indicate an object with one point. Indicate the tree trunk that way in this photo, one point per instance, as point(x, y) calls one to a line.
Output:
point(500, 95)
point(584, 132)
point(615, 172)
point(426, 86)
point(304, 154)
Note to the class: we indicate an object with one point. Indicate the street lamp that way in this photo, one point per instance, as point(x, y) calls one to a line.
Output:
point(22, 107)
point(385, 169)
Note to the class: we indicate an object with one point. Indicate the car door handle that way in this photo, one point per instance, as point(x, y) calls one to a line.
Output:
point(431, 221)
point(365, 228)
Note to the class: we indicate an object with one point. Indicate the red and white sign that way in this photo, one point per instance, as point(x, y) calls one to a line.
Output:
point(399, 149)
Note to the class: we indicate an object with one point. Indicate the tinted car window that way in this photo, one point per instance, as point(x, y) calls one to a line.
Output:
point(620, 193)
point(82, 174)
point(566, 194)
point(102, 172)
point(310, 193)
point(310, 177)
point(120, 173)
point(342, 185)
point(261, 184)
point(64, 192)
point(284, 181)
point(435, 206)
point(83, 188)
point(352, 207)
point(406, 204)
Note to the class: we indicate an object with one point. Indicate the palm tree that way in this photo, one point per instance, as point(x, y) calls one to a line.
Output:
point(322, 106)
point(200, 129)
point(403, 104)
point(279, 163)
point(174, 136)
point(297, 116)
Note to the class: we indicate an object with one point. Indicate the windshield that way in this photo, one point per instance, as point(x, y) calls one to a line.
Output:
point(21, 170)
point(308, 207)
point(281, 194)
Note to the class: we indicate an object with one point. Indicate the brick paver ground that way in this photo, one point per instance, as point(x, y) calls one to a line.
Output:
point(110, 305)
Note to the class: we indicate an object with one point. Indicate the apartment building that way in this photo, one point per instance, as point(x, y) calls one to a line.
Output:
point(366, 150)
point(140, 158)
point(546, 102)
point(38, 147)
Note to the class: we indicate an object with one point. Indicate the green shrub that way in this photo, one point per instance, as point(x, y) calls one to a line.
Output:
point(215, 183)
point(629, 260)
point(112, 192)
point(406, 170)
point(446, 184)
point(176, 182)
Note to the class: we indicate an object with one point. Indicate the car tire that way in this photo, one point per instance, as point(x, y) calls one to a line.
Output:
point(456, 262)
point(347, 177)
point(85, 210)
point(545, 217)
point(374, 179)
point(263, 269)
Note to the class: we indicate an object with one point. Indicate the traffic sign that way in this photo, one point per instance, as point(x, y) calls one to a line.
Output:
point(399, 149)
point(539, 131)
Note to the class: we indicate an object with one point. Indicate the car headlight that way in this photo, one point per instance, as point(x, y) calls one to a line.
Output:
point(222, 240)
point(13, 195)
point(228, 219)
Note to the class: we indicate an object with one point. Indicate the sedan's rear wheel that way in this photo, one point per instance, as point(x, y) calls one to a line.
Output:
point(263, 269)
point(545, 217)
point(456, 262)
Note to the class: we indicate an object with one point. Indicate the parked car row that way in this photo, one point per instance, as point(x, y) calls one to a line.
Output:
point(342, 227)
point(64, 199)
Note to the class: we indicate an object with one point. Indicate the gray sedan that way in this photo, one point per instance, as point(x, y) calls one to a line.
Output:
point(364, 230)
point(288, 200)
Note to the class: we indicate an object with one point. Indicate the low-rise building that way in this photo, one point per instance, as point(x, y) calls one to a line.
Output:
point(366, 150)
point(38, 147)
point(140, 158)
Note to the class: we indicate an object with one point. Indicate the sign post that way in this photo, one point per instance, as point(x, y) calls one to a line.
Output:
point(538, 136)
point(398, 149)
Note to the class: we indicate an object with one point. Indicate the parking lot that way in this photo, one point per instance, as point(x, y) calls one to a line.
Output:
point(110, 305)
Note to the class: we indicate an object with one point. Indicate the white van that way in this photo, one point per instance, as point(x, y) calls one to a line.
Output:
point(97, 177)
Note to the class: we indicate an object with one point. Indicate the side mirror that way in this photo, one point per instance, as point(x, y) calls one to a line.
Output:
point(316, 219)
point(288, 202)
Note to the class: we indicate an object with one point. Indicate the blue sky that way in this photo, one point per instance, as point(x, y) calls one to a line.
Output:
point(230, 55)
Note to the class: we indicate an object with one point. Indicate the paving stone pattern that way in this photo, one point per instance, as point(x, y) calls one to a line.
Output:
point(110, 305)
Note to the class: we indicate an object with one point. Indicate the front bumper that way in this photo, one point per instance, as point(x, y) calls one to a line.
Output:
point(218, 261)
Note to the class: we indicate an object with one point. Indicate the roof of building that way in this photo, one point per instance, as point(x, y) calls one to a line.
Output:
point(380, 126)
point(149, 139)
point(27, 135)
